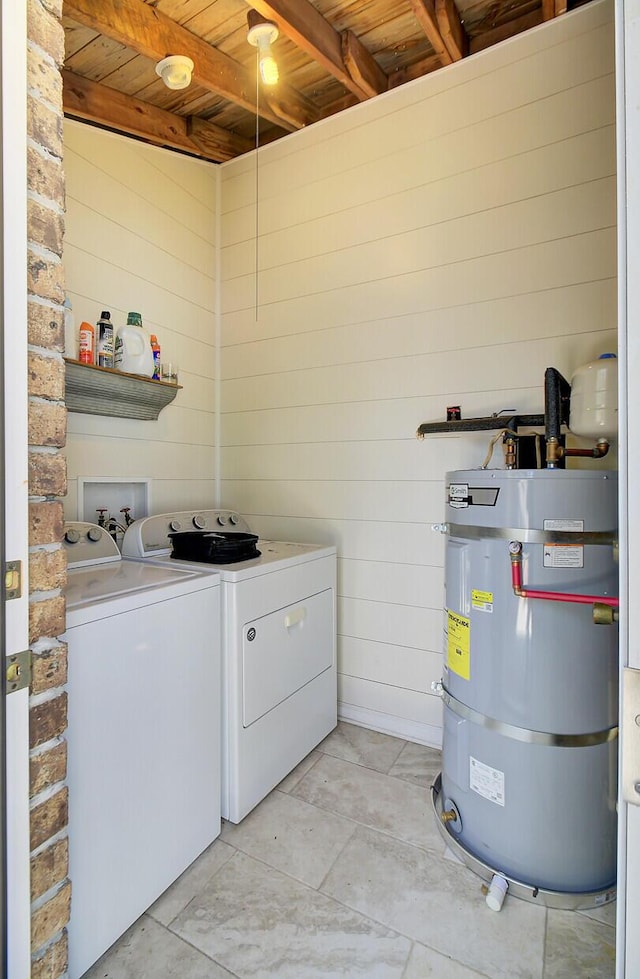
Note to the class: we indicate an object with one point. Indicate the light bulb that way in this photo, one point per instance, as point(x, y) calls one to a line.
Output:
point(268, 68)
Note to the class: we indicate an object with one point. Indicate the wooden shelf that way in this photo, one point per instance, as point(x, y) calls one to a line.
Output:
point(102, 391)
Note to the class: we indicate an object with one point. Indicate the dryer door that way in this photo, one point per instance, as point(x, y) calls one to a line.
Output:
point(284, 650)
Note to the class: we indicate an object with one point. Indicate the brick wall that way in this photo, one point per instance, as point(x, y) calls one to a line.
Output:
point(50, 886)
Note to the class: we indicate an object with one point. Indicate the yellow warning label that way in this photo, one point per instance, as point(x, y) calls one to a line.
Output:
point(458, 644)
point(482, 600)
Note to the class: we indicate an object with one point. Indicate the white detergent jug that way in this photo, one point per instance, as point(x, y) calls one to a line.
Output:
point(133, 352)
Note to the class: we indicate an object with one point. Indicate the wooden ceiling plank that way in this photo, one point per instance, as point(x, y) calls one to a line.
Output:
point(451, 29)
point(307, 28)
point(215, 142)
point(425, 13)
point(178, 10)
point(89, 100)
point(149, 32)
point(362, 66)
point(510, 29)
point(416, 70)
point(76, 36)
point(99, 58)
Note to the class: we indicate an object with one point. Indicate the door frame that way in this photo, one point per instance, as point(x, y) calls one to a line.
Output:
point(627, 15)
point(13, 309)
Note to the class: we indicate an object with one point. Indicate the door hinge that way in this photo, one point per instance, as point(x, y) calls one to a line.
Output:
point(12, 579)
point(630, 728)
point(18, 668)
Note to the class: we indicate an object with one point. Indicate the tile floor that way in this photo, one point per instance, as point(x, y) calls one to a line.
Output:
point(341, 872)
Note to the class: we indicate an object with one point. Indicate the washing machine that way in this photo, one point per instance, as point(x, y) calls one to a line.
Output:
point(279, 676)
point(143, 733)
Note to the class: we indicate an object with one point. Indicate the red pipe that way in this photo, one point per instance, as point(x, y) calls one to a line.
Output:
point(556, 596)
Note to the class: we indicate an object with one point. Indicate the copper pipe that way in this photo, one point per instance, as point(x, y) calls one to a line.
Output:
point(553, 596)
point(556, 452)
point(510, 452)
point(599, 451)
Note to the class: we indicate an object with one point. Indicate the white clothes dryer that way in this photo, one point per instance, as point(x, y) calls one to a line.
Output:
point(279, 671)
point(143, 733)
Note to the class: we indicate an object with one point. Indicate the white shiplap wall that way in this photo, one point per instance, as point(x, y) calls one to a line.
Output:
point(442, 244)
point(140, 235)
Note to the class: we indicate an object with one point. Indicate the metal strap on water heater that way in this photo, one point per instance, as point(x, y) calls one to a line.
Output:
point(532, 536)
point(524, 734)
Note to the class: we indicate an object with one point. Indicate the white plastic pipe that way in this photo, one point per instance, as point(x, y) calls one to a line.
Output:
point(497, 892)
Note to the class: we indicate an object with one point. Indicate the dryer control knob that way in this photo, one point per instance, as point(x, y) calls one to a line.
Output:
point(72, 536)
point(94, 534)
point(199, 521)
point(221, 520)
point(174, 525)
point(234, 519)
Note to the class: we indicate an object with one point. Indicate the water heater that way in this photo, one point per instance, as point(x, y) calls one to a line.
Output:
point(530, 687)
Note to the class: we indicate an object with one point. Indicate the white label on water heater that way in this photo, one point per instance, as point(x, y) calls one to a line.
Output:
point(576, 526)
point(486, 781)
point(562, 556)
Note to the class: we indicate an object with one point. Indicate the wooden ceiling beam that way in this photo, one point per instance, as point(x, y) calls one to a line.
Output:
point(97, 103)
point(143, 29)
point(312, 33)
point(425, 13)
point(451, 29)
point(548, 9)
point(362, 66)
point(214, 142)
point(553, 8)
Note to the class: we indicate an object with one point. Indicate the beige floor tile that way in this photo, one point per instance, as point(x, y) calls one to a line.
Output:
point(292, 836)
point(438, 904)
point(289, 783)
point(384, 803)
point(261, 924)
point(578, 946)
point(606, 914)
point(149, 951)
point(354, 821)
point(362, 747)
point(418, 764)
point(424, 963)
point(190, 883)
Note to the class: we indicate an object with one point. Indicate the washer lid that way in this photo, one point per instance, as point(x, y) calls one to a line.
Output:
point(90, 585)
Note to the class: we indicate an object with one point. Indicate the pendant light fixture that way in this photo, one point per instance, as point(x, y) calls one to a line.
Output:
point(262, 33)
